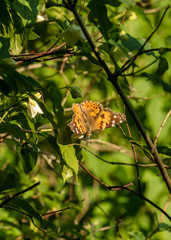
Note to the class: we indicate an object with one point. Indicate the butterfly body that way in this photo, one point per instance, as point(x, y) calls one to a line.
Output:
point(90, 116)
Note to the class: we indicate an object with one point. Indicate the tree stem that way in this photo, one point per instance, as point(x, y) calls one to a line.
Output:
point(113, 78)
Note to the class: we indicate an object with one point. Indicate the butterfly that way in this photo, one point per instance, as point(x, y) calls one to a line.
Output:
point(90, 116)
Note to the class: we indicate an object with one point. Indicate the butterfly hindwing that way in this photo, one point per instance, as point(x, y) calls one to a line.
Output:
point(90, 116)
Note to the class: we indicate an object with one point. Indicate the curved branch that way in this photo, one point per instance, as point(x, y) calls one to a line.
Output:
point(115, 188)
point(17, 194)
point(113, 79)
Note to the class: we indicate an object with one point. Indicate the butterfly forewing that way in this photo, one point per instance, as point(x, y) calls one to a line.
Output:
point(91, 109)
point(90, 116)
point(108, 118)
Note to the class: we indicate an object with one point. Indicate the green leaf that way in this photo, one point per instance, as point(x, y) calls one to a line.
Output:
point(13, 129)
point(164, 150)
point(155, 78)
point(164, 226)
point(67, 172)
point(28, 156)
point(4, 88)
point(9, 81)
point(4, 18)
point(16, 43)
point(131, 43)
point(23, 204)
point(25, 83)
point(95, 16)
point(51, 3)
point(112, 3)
point(168, 40)
point(32, 36)
point(31, 125)
point(4, 47)
point(52, 141)
point(27, 10)
point(135, 235)
point(128, 3)
point(69, 155)
point(57, 108)
point(163, 66)
point(7, 180)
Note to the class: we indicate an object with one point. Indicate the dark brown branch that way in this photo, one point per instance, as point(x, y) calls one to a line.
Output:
point(119, 163)
point(113, 79)
point(26, 214)
point(111, 188)
point(128, 64)
point(18, 194)
point(33, 56)
point(115, 188)
point(61, 210)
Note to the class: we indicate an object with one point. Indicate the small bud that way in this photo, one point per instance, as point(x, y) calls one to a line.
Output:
point(75, 92)
point(162, 50)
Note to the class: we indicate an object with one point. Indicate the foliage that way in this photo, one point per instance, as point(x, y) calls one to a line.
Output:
point(53, 184)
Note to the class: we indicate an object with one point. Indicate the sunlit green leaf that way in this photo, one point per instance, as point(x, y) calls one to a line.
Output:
point(69, 156)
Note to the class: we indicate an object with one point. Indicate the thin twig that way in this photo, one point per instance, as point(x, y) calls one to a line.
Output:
point(114, 188)
point(81, 7)
point(28, 215)
point(159, 131)
point(128, 64)
point(118, 163)
point(165, 207)
point(61, 210)
point(122, 18)
point(113, 78)
point(18, 194)
point(111, 188)
point(136, 161)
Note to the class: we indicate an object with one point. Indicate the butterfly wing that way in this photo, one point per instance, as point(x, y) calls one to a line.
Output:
point(108, 118)
point(77, 124)
point(91, 109)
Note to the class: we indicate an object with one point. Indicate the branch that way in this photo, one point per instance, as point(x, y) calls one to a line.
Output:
point(124, 67)
point(111, 188)
point(61, 210)
point(17, 194)
point(115, 188)
point(28, 215)
point(113, 79)
point(156, 138)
